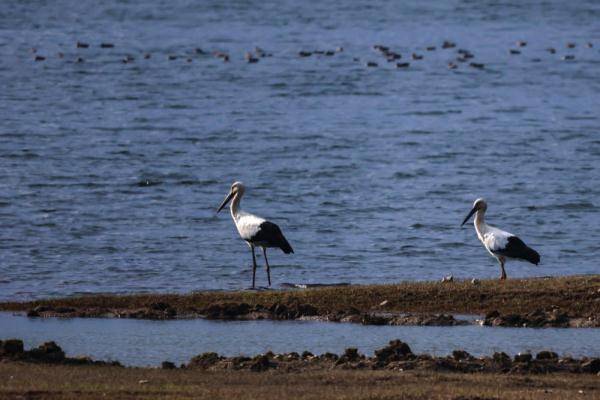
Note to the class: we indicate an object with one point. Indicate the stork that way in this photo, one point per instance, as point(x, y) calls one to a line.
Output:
point(255, 231)
point(500, 244)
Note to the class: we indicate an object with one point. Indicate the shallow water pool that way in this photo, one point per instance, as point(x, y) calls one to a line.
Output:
point(143, 342)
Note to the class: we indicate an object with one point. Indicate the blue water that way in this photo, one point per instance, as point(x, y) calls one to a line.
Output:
point(139, 342)
point(110, 173)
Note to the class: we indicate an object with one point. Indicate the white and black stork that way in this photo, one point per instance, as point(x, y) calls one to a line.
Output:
point(255, 231)
point(500, 244)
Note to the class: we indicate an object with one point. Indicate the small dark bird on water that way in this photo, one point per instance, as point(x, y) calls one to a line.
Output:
point(250, 59)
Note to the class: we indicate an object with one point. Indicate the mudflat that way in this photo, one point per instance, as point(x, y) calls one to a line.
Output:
point(568, 301)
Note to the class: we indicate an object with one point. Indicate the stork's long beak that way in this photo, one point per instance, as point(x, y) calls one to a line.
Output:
point(224, 203)
point(473, 211)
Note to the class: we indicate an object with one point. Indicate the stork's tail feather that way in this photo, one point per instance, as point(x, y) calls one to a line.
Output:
point(285, 246)
point(532, 256)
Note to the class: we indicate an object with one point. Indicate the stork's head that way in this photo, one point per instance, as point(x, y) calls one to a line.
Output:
point(478, 205)
point(236, 189)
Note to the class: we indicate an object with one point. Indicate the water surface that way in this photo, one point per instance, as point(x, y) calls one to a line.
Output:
point(110, 173)
point(142, 342)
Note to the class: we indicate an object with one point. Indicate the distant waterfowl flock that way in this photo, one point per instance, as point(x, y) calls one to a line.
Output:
point(258, 232)
point(461, 55)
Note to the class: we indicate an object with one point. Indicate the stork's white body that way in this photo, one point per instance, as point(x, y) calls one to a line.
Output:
point(493, 239)
point(247, 224)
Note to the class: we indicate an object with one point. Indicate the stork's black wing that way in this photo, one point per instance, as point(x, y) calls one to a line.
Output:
point(270, 233)
point(516, 248)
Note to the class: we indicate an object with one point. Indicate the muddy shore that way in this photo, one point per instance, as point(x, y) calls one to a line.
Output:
point(393, 371)
point(536, 302)
point(396, 356)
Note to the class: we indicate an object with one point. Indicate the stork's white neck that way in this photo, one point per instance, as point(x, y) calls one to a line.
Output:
point(234, 207)
point(480, 225)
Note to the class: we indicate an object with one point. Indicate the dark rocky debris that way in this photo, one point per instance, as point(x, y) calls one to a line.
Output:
point(554, 318)
point(232, 310)
point(397, 355)
point(47, 353)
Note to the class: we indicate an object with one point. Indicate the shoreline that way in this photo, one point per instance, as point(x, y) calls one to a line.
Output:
point(567, 302)
point(392, 372)
point(396, 356)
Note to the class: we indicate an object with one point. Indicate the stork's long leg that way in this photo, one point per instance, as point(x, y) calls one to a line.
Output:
point(268, 268)
point(501, 260)
point(253, 266)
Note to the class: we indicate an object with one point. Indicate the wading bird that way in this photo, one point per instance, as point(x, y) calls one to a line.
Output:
point(255, 231)
point(500, 244)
